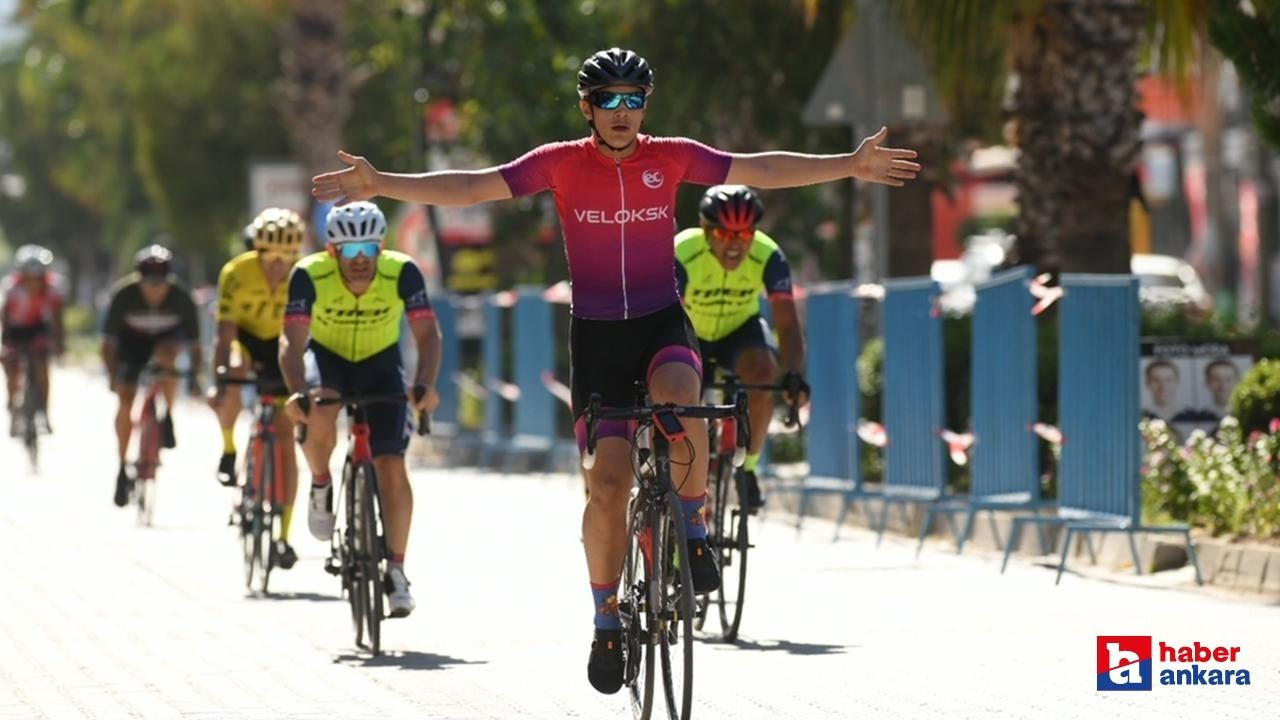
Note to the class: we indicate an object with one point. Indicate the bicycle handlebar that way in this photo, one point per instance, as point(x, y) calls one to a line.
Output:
point(266, 388)
point(644, 414)
point(791, 386)
point(424, 420)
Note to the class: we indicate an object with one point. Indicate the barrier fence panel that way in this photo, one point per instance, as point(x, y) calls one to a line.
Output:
point(450, 360)
point(832, 339)
point(1099, 481)
point(1098, 397)
point(913, 403)
point(494, 425)
point(534, 355)
point(1004, 400)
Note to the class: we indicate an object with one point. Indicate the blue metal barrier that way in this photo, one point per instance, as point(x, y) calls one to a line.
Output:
point(1004, 474)
point(494, 404)
point(1099, 478)
point(832, 358)
point(450, 361)
point(534, 330)
point(914, 405)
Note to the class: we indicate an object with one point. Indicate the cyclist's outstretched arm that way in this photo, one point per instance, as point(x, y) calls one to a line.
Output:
point(870, 162)
point(362, 181)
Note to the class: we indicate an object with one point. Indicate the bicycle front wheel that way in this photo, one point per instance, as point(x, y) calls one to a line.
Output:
point(635, 612)
point(369, 554)
point(675, 605)
point(265, 517)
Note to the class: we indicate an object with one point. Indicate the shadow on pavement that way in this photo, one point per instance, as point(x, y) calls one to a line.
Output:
point(404, 659)
point(786, 646)
point(309, 596)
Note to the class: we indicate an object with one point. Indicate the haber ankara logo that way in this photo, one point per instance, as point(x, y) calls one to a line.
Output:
point(1124, 662)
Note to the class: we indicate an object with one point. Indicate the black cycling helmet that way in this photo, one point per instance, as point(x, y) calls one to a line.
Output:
point(732, 207)
point(153, 260)
point(614, 66)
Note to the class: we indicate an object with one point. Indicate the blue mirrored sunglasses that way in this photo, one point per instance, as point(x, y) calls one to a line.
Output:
point(606, 100)
point(353, 250)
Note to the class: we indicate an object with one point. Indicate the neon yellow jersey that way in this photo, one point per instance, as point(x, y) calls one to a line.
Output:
point(356, 327)
point(246, 300)
point(719, 301)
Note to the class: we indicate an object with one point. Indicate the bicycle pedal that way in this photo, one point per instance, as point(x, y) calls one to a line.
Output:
point(333, 566)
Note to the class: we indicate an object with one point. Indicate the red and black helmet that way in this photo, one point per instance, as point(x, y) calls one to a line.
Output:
point(732, 207)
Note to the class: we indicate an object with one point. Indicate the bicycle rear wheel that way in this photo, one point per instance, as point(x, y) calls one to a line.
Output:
point(675, 605)
point(731, 543)
point(348, 550)
point(635, 612)
point(369, 554)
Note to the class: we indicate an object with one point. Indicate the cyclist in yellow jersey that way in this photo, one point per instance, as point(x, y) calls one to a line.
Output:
point(341, 337)
point(721, 269)
point(252, 290)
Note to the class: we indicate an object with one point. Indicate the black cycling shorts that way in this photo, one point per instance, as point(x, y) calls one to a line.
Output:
point(134, 353)
point(381, 374)
point(754, 333)
point(35, 337)
point(264, 357)
point(610, 356)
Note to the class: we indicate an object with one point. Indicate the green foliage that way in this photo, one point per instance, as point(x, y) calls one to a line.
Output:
point(1256, 400)
point(1251, 40)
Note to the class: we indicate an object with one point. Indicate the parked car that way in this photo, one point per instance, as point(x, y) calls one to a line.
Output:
point(1165, 280)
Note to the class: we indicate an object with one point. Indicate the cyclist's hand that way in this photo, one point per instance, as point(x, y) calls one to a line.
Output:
point(890, 166)
point(796, 390)
point(358, 182)
point(427, 401)
point(293, 408)
point(216, 394)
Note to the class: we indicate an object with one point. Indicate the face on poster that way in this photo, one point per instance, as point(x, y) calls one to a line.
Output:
point(1189, 383)
point(1165, 390)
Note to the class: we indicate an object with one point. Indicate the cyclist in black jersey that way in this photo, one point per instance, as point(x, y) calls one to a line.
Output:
point(150, 318)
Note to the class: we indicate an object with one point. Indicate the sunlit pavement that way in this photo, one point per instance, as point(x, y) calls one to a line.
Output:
point(102, 619)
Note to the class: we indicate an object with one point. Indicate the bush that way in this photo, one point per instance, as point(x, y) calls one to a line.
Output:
point(1226, 483)
point(1256, 400)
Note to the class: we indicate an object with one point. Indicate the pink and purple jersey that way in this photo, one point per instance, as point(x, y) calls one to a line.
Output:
point(618, 216)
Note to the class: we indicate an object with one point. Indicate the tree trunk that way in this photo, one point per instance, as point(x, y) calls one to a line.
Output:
point(317, 87)
point(1078, 131)
point(910, 244)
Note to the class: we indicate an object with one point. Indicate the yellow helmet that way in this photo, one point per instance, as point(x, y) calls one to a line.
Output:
point(277, 229)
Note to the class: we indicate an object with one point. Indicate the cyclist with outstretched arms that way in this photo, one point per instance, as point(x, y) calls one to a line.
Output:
point(342, 338)
point(252, 291)
point(32, 326)
point(615, 193)
point(722, 267)
point(151, 317)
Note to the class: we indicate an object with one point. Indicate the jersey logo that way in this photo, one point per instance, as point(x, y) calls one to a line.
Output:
point(652, 179)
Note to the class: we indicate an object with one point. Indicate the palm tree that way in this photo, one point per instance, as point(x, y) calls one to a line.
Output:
point(1074, 109)
point(317, 84)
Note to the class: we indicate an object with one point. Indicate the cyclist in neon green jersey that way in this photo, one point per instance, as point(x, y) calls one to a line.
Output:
point(721, 268)
point(341, 337)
